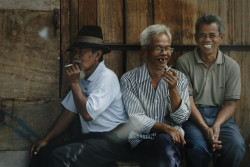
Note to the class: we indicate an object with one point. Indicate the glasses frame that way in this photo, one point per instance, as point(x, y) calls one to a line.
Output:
point(159, 49)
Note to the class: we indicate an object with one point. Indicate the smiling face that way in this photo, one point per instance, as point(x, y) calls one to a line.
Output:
point(208, 39)
point(156, 54)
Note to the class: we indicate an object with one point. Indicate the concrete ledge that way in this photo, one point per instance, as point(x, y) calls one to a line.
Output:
point(14, 158)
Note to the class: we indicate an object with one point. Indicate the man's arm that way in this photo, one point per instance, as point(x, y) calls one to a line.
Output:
point(73, 76)
point(60, 126)
point(175, 134)
point(225, 114)
point(209, 132)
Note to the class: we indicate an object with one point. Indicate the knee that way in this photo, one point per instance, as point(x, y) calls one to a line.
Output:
point(199, 150)
point(236, 147)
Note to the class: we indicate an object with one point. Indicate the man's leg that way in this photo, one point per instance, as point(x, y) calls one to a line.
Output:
point(197, 151)
point(160, 152)
point(97, 149)
point(233, 146)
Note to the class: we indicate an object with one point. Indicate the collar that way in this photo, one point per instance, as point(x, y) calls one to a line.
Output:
point(219, 59)
point(97, 71)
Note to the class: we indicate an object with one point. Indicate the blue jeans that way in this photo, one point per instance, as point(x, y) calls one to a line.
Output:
point(198, 151)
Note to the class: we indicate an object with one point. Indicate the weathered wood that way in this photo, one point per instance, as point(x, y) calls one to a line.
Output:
point(45, 5)
point(168, 12)
point(138, 17)
point(65, 43)
point(109, 17)
point(189, 16)
point(87, 12)
point(22, 123)
point(74, 20)
point(29, 55)
point(242, 114)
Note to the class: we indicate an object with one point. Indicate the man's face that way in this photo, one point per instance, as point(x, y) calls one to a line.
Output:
point(159, 52)
point(209, 39)
point(86, 57)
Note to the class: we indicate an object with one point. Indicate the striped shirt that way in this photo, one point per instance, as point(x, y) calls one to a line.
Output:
point(146, 106)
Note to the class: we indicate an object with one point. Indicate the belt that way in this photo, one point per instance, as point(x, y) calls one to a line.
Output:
point(205, 106)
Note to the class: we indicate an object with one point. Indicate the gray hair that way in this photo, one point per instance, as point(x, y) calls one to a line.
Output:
point(155, 29)
point(208, 19)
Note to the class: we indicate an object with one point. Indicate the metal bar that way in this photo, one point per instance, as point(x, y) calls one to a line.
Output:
point(178, 47)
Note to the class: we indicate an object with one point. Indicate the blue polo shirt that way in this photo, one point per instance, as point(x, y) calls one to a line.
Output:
point(104, 103)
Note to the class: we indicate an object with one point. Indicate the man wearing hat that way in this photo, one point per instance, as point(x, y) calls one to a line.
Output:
point(96, 97)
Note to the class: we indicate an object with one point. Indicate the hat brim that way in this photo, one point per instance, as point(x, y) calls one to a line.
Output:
point(104, 48)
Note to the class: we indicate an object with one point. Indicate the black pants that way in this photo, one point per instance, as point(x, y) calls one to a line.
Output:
point(89, 150)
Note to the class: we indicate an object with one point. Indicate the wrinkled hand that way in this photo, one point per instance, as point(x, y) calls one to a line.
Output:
point(216, 143)
point(37, 146)
point(73, 74)
point(171, 78)
point(176, 136)
point(212, 135)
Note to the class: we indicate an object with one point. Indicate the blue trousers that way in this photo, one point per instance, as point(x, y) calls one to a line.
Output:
point(198, 151)
point(160, 152)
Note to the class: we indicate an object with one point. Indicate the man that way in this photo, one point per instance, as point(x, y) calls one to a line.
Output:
point(214, 89)
point(97, 99)
point(156, 100)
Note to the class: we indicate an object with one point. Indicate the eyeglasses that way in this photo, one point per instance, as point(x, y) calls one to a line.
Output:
point(158, 49)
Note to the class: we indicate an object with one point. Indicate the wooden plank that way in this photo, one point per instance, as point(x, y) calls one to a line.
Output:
point(30, 53)
point(168, 12)
point(242, 115)
point(65, 43)
point(241, 22)
point(23, 122)
point(138, 17)
point(87, 12)
point(74, 20)
point(45, 5)
point(110, 18)
point(189, 17)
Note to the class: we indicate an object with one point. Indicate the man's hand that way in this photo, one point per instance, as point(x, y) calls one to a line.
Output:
point(212, 135)
point(176, 135)
point(73, 74)
point(171, 78)
point(37, 146)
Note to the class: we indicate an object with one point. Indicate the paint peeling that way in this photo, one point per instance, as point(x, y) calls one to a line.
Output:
point(43, 33)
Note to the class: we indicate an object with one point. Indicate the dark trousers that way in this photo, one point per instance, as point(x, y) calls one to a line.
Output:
point(199, 153)
point(160, 152)
point(90, 150)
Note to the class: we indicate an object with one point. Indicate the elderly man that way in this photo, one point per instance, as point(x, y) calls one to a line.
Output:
point(214, 89)
point(96, 97)
point(157, 102)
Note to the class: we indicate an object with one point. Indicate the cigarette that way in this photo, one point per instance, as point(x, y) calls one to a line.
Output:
point(168, 68)
point(68, 65)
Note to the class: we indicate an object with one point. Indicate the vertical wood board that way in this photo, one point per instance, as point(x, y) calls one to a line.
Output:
point(110, 19)
point(29, 61)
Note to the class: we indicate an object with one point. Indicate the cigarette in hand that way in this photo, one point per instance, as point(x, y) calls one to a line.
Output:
point(68, 65)
point(167, 69)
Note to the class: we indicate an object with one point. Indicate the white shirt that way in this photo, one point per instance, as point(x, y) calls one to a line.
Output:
point(146, 106)
point(104, 103)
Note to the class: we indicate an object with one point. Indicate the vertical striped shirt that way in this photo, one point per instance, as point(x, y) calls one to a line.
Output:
point(146, 106)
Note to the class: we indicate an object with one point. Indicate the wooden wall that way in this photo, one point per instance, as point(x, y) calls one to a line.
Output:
point(122, 22)
point(32, 81)
point(29, 69)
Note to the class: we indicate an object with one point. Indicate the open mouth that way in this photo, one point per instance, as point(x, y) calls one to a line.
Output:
point(208, 46)
point(163, 60)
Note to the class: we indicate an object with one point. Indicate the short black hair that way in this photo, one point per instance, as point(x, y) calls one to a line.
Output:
point(208, 19)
